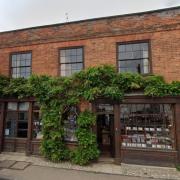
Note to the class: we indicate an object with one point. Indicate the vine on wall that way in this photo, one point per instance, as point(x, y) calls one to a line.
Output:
point(56, 94)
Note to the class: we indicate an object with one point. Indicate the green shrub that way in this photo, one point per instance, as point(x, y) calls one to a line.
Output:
point(87, 149)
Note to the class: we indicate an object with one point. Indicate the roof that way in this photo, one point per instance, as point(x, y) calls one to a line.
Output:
point(96, 19)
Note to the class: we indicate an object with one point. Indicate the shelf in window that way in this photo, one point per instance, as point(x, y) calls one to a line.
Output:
point(22, 129)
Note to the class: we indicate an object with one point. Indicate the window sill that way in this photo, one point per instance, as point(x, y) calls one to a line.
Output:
point(149, 149)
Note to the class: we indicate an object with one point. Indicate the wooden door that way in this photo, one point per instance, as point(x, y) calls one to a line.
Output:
point(105, 134)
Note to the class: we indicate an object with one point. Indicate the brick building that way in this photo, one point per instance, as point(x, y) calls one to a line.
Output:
point(147, 43)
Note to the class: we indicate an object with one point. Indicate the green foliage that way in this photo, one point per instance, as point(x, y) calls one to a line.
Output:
point(178, 167)
point(4, 82)
point(87, 146)
point(55, 94)
point(18, 87)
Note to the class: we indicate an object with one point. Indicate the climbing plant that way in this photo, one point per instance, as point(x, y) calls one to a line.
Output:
point(87, 149)
point(56, 94)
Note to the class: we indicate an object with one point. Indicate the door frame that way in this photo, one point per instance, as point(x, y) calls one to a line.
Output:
point(117, 132)
point(26, 142)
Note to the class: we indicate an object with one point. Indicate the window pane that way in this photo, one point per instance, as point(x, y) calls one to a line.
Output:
point(79, 58)
point(129, 47)
point(23, 57)
point(10, 124)
point(73, 52)
point(122, 48)
point(62, 59)
point(37, 126)
point(70, 124)
point(144, 46)
point(136, 47)
point(24, 106)
point(73, 59)
point(22, 125)
point(12, 106)
point(28, 56)
point(79, 52)
point(18, 57)
point(28, 62)
point(63, 53)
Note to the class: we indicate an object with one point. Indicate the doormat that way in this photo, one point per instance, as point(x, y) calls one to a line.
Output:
point(7, 164)
point(20, 165)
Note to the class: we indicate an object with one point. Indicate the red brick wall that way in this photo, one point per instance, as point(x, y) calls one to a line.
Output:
point(99, 38)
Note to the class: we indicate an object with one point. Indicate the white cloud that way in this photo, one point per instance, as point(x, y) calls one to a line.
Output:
point(173, 2)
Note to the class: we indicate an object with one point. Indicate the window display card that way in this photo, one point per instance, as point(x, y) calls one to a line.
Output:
point(144, 145)
point(153, 146)
point(159, 129)
point(147, 129)
point(169, 147)
point(151, 129)
point(140, 128)
point(124, 144)
point(133, 144)
point(135, 128)
point(6, 132)
point(138, 145)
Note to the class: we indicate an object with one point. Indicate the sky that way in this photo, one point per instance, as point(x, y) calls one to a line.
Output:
point(18, 14)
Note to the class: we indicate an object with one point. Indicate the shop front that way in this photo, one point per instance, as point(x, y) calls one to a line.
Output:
point(139, 129)
point(20, 126)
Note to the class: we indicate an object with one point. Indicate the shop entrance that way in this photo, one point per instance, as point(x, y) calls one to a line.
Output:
point(16, 126)
point(105, 129)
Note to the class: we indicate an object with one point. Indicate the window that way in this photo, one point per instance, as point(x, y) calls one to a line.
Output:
point(37, 122)
point(147, 126)
point(16, 124)
point(21, 65)
point(71, 61)
point(70, 117)
point(133, 58)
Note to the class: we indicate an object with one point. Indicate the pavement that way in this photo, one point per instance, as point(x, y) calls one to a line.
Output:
point(47, 173)
point(17, 166)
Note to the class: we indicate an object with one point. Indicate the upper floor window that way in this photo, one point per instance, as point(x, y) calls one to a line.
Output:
point(134, 57)
point(21, 65)
point(71, 61)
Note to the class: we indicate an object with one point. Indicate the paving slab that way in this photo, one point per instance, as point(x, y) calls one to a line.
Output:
point(100, 167)
point(7, 163)
point(20, 165)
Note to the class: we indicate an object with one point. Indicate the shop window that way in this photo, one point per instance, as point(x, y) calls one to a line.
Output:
point(71, 61)
point(133, 57)
point(11, 123)
point(21, 65)
point(104, 108)
point(37, 122)
point(16, 124)
point(70, 117)
point(147, 126)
